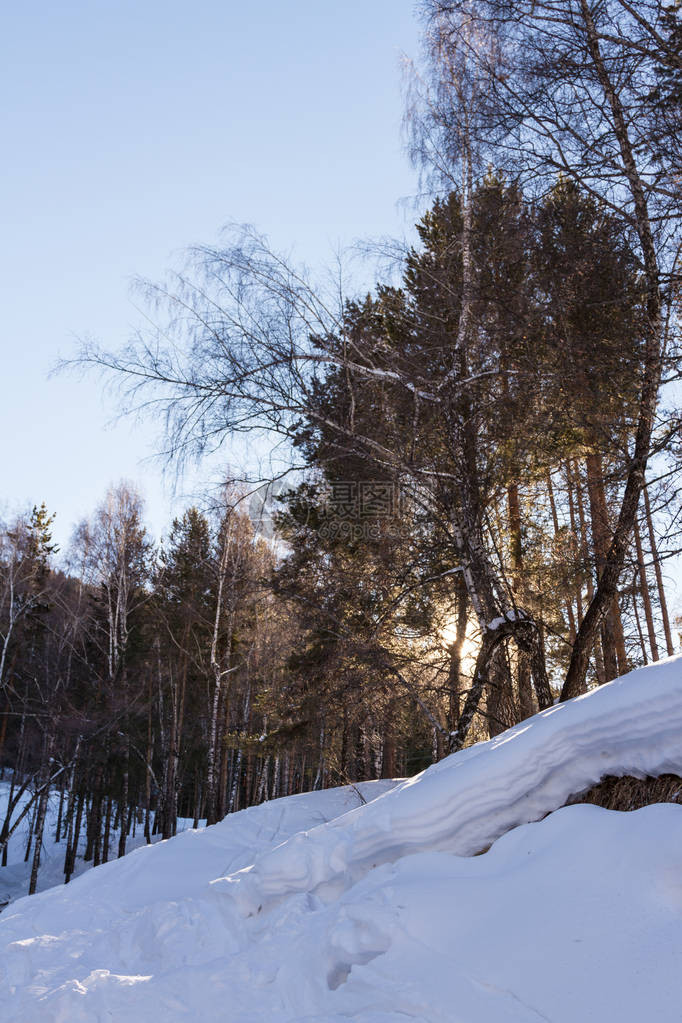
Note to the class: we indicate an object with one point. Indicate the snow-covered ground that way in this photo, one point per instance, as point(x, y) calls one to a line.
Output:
point(14, 878)
point(319, 908)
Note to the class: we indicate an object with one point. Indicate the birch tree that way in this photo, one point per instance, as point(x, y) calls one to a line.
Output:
point(118, 554)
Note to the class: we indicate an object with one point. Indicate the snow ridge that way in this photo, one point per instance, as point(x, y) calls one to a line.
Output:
point(631, 726)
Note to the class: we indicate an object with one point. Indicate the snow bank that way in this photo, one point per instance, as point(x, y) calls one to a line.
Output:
point(576, 918)
point(633, 726)
point(381, 914)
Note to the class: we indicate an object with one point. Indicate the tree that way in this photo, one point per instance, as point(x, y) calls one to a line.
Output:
point(569, 92)
point(117, 556)
point(183, 602)
point(25, 552)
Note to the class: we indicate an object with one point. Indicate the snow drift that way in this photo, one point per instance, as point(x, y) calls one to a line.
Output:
point(306, 908)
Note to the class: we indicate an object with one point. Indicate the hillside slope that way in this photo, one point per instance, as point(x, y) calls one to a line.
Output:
point(297, 910)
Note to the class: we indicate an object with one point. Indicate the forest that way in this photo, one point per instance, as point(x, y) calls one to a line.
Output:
point(481, 498)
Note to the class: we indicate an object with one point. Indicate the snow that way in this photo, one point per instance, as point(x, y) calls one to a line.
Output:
point(319, 908)
point(632, 726)
point(512, 615)
point(14, 878)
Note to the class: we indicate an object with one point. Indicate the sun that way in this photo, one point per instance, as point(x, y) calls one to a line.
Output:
point(448, 634)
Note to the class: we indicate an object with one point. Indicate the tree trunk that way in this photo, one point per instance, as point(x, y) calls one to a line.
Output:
point(555, 522)
point(644, 591)
point(670, 647)
point(588, 565)
point(107, 831)
point(41, 813)
point(123, 805)
point(72, 850)
point(613, 640)
point(640, 634)
point(575, 543)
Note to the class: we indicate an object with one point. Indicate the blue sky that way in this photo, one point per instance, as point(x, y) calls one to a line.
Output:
point(133, 130)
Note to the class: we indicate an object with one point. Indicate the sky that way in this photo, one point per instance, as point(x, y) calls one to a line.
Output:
point(133, 130)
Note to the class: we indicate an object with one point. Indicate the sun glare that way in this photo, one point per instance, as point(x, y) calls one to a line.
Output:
point(448, 635)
